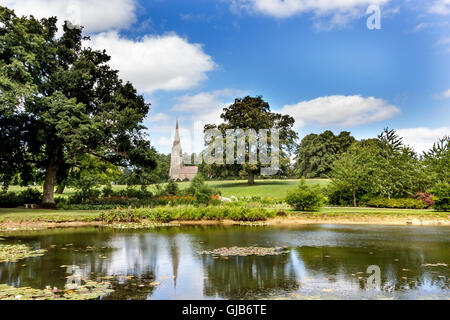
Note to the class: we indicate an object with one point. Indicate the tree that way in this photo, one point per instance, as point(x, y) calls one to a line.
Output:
point(254, 113)
point(352, 170)
point(60, 101)
point(437, 160)
point(398, 168)
point(143, 176)
point(316, 153)
point(90, 173)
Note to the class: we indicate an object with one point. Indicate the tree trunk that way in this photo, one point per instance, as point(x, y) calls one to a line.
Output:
point(389, 194)
point(60, 189)
point(354, 198)
point(251, 178)
point(48, 200)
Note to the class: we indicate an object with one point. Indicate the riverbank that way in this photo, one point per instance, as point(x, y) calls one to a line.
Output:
point(29, 219)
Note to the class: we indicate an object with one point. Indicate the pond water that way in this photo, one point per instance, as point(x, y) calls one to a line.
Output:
point(323, 262)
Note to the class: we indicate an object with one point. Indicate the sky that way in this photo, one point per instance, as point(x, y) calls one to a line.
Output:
point(317, 61)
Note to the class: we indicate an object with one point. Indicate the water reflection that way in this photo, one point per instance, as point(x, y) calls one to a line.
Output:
point(324, 262)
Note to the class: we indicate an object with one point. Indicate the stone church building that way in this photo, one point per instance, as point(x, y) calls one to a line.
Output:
point(177, 170)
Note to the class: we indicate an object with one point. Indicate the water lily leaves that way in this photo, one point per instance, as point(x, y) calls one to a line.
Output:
point(140, 225)
point(246, 251)
point(90, 290)
point(16, 252)
point(439, 264)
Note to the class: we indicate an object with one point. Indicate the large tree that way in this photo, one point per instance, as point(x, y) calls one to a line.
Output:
point(352, 171)
point(317, 152)
point(60, 100)
point(254, 113)
point(437, 160)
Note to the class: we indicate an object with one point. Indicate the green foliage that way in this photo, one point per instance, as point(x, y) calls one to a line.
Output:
point(90, 173)
point(305, 198)
point(145, 176)
point(172, 188)
point(437, 160)
point(16, 199)
point(441, 196)
point(316, 153)
point(351, 172)
point(401, 203)
point(188, 213)
point(73, 104)
point(200, 190)
point(252, 113)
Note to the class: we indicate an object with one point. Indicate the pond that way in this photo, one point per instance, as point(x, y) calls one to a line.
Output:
point(315, 262)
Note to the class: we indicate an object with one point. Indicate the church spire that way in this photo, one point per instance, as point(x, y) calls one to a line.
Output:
point(177, 135)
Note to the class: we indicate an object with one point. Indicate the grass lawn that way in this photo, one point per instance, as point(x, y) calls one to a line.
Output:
point(30, 215)
point(20, 214)
point(276, 189)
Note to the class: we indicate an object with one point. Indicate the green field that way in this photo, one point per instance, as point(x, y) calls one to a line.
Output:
point(276, 189)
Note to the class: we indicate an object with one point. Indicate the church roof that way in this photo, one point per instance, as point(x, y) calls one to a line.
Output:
point(189, 170)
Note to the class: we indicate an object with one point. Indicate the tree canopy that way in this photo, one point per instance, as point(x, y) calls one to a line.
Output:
point(317, 152)
point(254, 113)
point(60, 100)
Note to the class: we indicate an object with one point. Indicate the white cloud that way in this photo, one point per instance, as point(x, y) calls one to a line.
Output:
point(441, 7)
point(152, 63)
point(206, 106)
point(443, 95)
point(158, 118)
point(422, 139)
point(341, 11)
point(94, 15)
point(340, 111)
point(164, 142)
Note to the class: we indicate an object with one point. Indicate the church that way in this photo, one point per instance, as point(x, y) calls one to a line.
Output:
point(177, 170)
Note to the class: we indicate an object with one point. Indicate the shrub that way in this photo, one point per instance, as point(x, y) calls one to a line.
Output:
point(16, 199)
point(425, 197)
point(401, 203)
point(107, 191)
point(441, 196)
point(200, 190)
point(305, 198)
point(172, 188)
point(167, 214)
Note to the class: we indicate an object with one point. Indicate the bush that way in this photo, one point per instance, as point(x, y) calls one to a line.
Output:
point(401, 203)
point(425, 197)
point(16, 199)
point(107, 191)
point(200, 190)
point(305, 198)
point(167, 214)
point(172, 188)
point(441, 196)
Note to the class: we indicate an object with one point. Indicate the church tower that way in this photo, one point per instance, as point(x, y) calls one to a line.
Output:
point(177, 170)
point(176, 156)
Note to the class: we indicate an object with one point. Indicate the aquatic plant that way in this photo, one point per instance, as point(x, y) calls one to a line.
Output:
point(90, 290)
point(15, 252)
point(140, 225)
point(247, 251)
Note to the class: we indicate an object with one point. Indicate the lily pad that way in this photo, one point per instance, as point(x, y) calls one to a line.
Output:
point(90, 290)
point(16, 252)
point(247, 251)
point(140, 225)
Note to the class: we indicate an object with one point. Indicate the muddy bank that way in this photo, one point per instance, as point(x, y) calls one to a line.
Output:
point(284, 221)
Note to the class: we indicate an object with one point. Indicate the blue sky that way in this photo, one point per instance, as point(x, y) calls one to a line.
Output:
point(315, 60)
